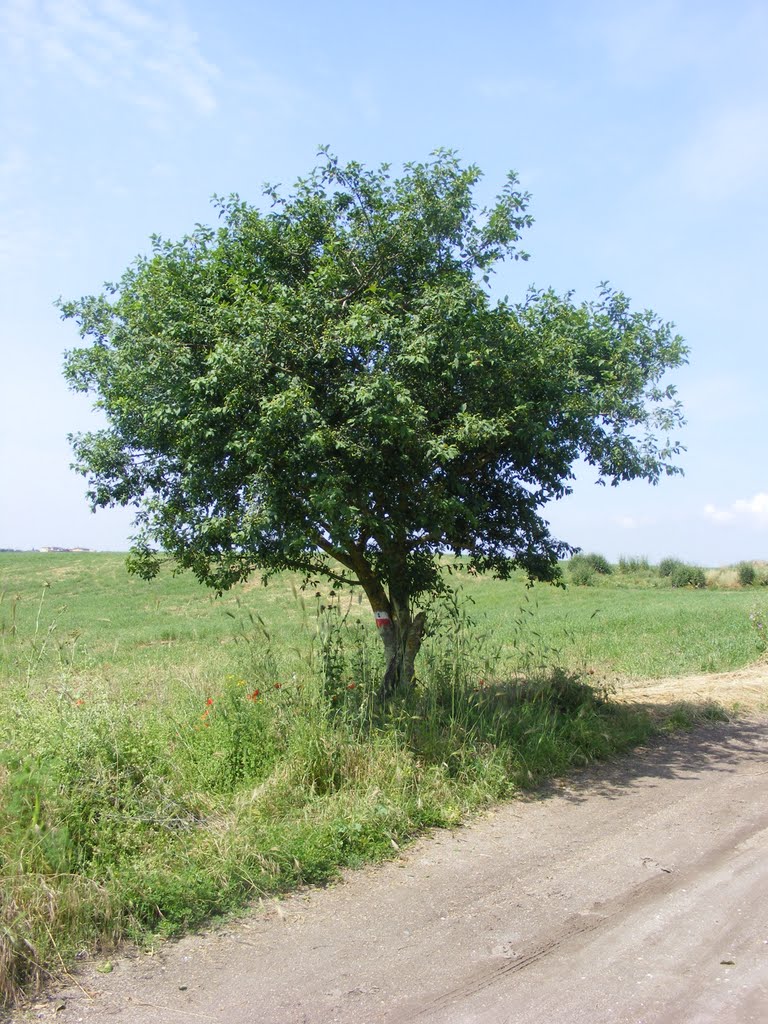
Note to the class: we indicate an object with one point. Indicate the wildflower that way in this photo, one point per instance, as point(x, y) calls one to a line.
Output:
point(254, 695)
point(79, 701)
point(278, 686)
point(481, 683)
point(209, 701)
point(351, 686)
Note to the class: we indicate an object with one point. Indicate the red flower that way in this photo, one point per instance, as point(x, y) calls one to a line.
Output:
point(254, 695)
point(351, 686)
point(278, 686)
point(209, 701)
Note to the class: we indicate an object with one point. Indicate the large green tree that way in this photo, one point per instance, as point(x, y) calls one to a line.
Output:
point(327, 386)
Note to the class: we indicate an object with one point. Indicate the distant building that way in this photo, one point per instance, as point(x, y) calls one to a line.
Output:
point(48, 550)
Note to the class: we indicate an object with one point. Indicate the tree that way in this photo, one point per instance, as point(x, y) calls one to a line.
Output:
point(329, 387)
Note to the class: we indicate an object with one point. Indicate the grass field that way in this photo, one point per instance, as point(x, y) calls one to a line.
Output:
point(84, 616)
point(166, 755)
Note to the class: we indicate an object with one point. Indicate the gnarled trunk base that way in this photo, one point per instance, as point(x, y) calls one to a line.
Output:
point(402, 641)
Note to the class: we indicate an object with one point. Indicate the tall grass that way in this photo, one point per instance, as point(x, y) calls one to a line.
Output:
point(141, 800)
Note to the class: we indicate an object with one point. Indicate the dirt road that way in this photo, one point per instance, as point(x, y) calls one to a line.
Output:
point(635, 892)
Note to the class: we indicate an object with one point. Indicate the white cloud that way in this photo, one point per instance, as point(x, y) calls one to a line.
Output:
point(719, 515)
point(112, 44)
point(634, 522)
point(751, 512)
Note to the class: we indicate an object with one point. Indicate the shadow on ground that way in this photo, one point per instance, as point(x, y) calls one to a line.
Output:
point(684, 753)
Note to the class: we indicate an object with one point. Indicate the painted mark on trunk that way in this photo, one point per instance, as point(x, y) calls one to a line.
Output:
point(382, 620)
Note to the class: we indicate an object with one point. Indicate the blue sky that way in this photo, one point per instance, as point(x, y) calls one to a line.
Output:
point(640, 130)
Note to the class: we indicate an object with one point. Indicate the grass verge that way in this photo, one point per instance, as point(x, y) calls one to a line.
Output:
point(130, 817)
point(166, 758)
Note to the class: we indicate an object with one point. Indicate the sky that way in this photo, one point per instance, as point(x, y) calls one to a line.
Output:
point(639, 128)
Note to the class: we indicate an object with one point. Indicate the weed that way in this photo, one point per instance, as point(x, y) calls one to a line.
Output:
point(746, 574)
point(667, 566)
point(688, 576)
point(581, 574)
point(632, 566)
point(687, 716)
point(759, 622)
point(583, 568)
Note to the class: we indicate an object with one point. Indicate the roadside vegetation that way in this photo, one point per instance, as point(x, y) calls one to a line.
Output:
point(167, 756)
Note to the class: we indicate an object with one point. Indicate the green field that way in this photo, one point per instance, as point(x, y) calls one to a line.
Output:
point(166, 755)
point(82, 617)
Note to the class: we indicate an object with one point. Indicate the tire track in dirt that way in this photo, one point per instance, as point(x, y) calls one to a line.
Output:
point(610, 915)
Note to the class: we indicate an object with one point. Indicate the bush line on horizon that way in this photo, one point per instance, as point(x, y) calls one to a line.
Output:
point(585, 569)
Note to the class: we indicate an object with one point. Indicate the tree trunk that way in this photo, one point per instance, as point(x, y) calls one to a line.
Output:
point(400, 633)
point(402, 638)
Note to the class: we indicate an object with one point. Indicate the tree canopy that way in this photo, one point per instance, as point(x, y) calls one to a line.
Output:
point(326, 385)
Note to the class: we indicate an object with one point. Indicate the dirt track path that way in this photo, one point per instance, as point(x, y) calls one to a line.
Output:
point(635, 892)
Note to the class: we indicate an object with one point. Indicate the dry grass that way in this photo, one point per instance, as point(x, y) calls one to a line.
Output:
point(725, 578)
point(54, 909)
point(743, 690)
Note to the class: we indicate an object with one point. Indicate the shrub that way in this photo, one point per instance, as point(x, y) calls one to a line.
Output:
point(746, 574)
point(667, 566)
point(599, 563)
point(582, 568)
point(629, 566)
point(688, 576)
point(581, 573)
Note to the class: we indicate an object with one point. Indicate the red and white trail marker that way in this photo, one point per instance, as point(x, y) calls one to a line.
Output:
point(382, 620)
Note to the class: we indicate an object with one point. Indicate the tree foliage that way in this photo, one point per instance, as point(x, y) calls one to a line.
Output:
point(328, 386)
